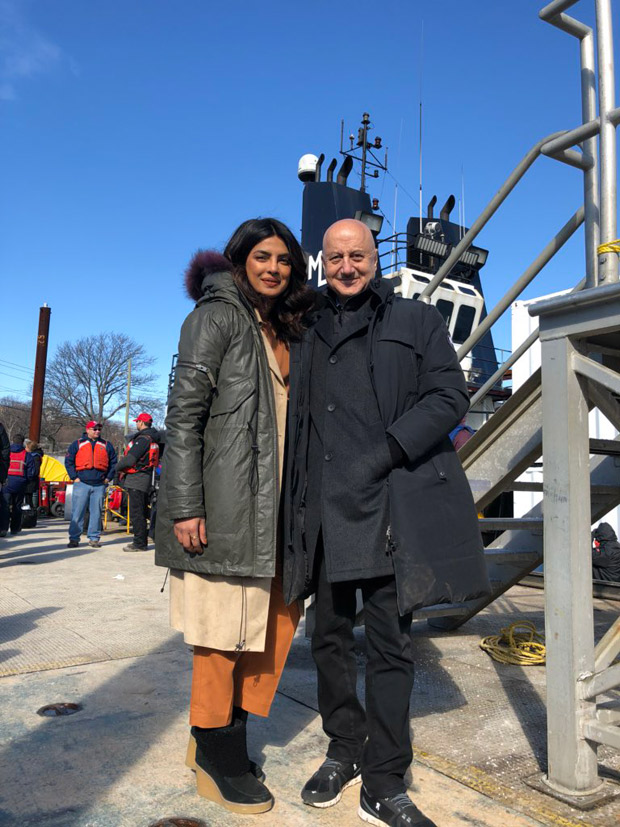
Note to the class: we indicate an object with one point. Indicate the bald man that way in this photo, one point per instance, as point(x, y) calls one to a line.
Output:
point(376, 500)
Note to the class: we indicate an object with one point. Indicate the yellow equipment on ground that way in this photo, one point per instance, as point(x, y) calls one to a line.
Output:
point(52, 470)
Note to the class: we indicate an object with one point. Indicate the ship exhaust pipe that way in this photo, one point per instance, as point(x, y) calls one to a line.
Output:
point(447, 208)
point(330, 171)
point(431, 207)
point(343, 172)
point(319, 164)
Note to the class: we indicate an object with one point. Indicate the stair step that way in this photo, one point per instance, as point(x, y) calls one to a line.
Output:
point(610, 447)
point(508, 523)
point(500, 555)
point(526, 486)
point(442, 610)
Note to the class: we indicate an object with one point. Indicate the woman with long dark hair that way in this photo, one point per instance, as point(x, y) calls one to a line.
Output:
point(218, 514)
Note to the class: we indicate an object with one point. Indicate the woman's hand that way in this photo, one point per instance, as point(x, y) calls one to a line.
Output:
point(191, 533)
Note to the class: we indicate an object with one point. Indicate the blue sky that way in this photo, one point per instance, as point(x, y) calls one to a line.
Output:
point(133, 133)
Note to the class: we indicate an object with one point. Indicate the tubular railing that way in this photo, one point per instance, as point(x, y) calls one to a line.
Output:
point(598, 212)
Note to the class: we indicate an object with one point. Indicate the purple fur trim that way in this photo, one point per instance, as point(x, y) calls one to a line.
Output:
point(202, 264)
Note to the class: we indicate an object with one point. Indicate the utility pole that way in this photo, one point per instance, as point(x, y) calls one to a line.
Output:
point(128, 396)
point(38, 385)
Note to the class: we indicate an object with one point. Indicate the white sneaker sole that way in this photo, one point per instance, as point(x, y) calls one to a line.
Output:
point(332, 801)
point(369, 818)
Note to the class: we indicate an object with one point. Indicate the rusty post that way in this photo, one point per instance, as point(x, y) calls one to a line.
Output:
point(39, 373)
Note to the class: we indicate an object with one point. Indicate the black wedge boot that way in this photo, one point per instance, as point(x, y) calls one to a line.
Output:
point(223, 770)
point(190, 757)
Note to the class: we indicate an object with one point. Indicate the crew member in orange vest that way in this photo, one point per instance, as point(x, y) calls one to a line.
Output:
point(136, 468)
point(21, 469)
point(91, 463)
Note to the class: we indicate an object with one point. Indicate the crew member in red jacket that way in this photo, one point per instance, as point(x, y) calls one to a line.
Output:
point(21, 470)
point(90, 462)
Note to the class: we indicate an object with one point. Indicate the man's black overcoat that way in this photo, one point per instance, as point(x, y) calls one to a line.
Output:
point(436, 546)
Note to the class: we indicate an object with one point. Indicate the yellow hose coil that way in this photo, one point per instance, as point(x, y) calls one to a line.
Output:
point(609, 247)
point(525, 648)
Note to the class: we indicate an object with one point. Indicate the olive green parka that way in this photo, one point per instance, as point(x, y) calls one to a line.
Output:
point(221, 455)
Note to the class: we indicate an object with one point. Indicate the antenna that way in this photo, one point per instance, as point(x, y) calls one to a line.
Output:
point(394, 228)
point(463, 196)
point(394, 247)
point(368, 157)
point(421, 67)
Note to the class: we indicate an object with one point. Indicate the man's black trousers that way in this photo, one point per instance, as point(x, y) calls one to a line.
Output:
point(138, 504)
point(379, 738)
point(11, 511)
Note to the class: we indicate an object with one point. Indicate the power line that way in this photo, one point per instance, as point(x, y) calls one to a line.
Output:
point(15, 366)
point(13, 376)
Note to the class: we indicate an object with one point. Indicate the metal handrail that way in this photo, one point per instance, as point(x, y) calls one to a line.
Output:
point(558, 146)
point(558, 241)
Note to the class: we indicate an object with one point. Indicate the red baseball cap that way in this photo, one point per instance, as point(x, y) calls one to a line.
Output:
point(143, 417)
point(93, 424)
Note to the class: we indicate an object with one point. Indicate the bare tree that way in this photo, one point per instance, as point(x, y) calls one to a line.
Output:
point(87, 379)
point(14, 415)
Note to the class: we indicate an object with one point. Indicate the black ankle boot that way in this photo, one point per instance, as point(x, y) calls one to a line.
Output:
point(240, 717)
point(223, 772)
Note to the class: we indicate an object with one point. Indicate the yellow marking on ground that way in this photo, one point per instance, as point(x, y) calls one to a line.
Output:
point(484, 783)
point(5, 672)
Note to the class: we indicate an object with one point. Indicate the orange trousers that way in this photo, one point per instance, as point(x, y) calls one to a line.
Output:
point(221, 680)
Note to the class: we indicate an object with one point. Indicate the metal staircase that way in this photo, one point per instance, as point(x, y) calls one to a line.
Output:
point(580, 348)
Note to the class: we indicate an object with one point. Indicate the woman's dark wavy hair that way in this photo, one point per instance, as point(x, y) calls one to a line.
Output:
point(286, 314)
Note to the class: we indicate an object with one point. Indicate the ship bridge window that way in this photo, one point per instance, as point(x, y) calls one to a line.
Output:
point(446, 286)
point(467, 290)
point(464, 323)
point(446, 309)
point(423, 279)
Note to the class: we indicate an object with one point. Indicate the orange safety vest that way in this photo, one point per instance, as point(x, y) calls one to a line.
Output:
point(17, 464)
point(89, 456)
point(148, 460)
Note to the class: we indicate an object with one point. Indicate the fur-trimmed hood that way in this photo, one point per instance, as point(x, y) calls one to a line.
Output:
point(204, 263)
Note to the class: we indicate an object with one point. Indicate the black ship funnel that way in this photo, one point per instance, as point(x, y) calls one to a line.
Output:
point(447, 208)
point(343, 172)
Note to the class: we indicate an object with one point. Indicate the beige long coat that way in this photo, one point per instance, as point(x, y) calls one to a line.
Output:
point(220, 612)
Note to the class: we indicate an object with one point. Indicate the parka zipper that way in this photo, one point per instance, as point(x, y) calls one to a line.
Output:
point(203, 369)
point(243, 622)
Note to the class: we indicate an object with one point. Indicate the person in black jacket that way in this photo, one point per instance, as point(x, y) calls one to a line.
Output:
point(22, 470)
point(137, 468)
point(605, 554)
point(5, 456)
point(377, 500)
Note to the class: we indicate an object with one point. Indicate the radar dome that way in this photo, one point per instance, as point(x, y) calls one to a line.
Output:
point(306, 168)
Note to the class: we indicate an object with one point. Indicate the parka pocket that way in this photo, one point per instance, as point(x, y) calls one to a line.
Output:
point(402, 341)
point(229, 398)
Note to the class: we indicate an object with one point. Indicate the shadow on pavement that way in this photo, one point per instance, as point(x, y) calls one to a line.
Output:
point(22, 623)
point(64, 767)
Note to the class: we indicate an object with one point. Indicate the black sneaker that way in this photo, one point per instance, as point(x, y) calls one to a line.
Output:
point(397, 811)
point(134, 547)
point(326, 786)
point(73, 543)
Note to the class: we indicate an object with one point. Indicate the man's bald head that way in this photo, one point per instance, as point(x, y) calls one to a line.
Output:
point(349, 257)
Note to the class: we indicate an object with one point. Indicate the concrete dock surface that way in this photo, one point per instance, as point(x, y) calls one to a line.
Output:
point(90, 627)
